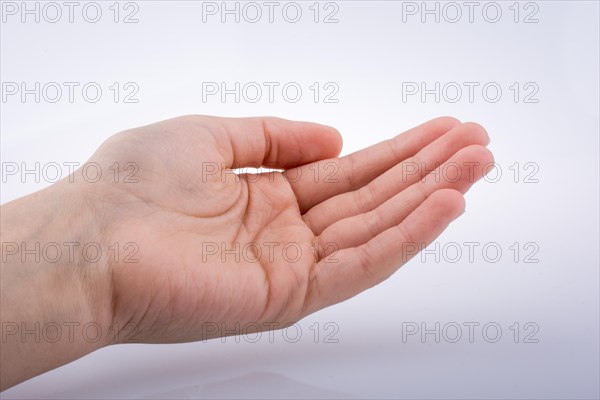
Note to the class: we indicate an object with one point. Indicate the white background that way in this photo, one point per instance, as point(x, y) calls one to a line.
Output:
point(369, 53)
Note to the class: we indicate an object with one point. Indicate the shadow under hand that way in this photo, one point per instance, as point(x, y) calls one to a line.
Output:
point(265, 385)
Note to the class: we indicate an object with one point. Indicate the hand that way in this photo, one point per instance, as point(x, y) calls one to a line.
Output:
point(218, 249)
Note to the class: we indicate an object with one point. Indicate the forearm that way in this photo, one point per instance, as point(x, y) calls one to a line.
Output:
point(52, 305)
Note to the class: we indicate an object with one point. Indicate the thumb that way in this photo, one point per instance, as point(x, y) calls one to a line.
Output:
point(275, 142)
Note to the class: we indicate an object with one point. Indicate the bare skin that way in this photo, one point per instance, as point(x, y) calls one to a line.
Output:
point(214, 252)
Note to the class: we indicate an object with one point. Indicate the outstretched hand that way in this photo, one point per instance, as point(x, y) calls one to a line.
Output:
point(231, 250)
point(195, 248)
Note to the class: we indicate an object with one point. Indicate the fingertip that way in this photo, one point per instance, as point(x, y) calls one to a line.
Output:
point(483, 159)
point(325, 141)
point(334, 140)
point(477, 132)
point(446, 122)
point(484, 155)
point(450, 203)
point(477, 153)
point(339, 141)
point(473, 163)
point(297, 143)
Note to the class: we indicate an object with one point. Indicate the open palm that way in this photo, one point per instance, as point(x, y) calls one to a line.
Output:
point(216, 252)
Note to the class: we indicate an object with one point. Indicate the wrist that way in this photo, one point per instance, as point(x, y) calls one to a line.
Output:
point(55, 295)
